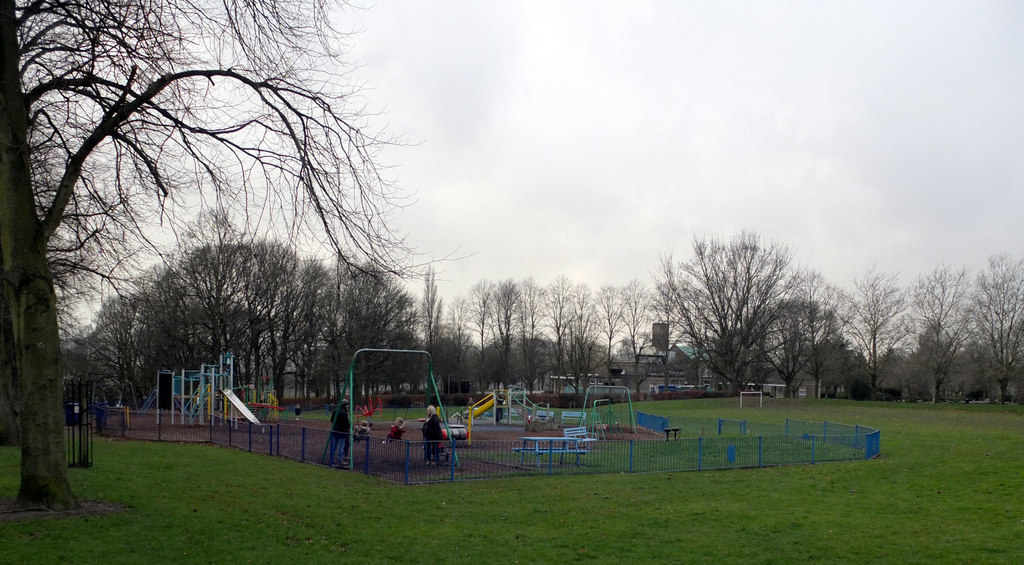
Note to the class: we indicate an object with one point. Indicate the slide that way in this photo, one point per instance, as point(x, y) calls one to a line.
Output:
point(239, 405)
point(485, 404)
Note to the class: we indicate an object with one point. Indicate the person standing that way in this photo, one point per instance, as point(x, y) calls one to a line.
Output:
point(431, 435)
point(340, 430)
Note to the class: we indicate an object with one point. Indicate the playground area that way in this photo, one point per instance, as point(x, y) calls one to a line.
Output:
point(502, 434)
point(503, 451)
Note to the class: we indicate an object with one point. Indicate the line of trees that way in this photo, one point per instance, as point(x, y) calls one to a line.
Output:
point(748, 313)
point(288, 320)
point(740, 308)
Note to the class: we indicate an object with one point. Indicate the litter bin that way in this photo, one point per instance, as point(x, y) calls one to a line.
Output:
point(71, 415)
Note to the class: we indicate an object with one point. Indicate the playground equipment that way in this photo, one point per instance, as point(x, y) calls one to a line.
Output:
point(261, 400)
point(507, 406)
point(432, 392)
point(600, 423)
point(189, 396)
point(239, 405)
point(369, 410)
point(193, 396)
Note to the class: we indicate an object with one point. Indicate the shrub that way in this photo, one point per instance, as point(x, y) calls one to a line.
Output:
point(860, 390)
point(685, 394)
point(399, 401)
point(890, 394)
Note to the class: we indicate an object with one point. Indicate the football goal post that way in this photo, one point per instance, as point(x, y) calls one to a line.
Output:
point(750, 401)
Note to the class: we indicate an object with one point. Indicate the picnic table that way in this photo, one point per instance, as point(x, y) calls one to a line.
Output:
point(545, 445)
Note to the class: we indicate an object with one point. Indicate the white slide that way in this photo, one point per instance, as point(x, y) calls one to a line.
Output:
point(239, 405)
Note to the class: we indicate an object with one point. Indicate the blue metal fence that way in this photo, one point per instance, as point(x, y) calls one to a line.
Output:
point(718, 444)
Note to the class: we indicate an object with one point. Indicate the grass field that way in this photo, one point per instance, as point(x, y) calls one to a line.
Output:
point(947, 489)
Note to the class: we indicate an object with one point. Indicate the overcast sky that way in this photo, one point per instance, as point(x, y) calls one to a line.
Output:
point(590, 138)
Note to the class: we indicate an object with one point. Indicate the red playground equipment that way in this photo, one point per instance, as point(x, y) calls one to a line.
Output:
point(368, 410)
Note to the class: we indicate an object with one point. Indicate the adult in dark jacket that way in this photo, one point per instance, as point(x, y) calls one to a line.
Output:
point(431, 436)
point(340, 430)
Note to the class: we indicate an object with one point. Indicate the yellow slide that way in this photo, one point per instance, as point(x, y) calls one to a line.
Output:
point(477, 410)
point(485, 404)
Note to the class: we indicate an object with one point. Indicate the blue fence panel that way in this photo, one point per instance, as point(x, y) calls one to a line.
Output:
point(704, 444)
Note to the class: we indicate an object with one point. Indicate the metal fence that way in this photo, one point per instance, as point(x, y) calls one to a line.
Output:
point(721, 444)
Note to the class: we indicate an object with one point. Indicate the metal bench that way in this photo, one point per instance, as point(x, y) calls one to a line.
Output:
point(579, 416)
point(573, 442)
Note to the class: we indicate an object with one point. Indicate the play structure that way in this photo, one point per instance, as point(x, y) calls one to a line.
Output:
point(513, 407)
point(601, 418)
point(505, 407)
point(196, 396)
point(261, 400)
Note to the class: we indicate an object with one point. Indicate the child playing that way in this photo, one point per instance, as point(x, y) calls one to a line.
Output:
point(362, 430)
point(397, 429)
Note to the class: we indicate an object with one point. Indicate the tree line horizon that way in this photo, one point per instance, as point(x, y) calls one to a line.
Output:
point(738, 303)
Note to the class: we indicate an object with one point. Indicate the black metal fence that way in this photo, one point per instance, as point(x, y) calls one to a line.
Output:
point(78, 427)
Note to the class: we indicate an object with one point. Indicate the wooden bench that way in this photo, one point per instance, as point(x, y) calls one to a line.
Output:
point(675, 433)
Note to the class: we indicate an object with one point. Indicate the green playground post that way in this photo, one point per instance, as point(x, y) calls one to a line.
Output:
point(629, 400)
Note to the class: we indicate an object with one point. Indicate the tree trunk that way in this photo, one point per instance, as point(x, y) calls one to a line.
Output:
point(28, 285)
point(8, 380)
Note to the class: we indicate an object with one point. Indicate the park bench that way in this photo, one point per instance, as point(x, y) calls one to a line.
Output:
point(578, 432)
point(544, 415)
point(573, 415)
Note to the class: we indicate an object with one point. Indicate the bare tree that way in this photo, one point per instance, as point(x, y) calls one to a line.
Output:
point(583, 331)
point(999, 306)
point(636, 323)
point(273, 291)
point(431, 310)
point(559, 298)
point(821, 303)
point(876, 324)
point(172, 333)
point(940, 306)
point(376, 312)
point(214, 267)
point(610, 309)
point(504, 309)
point(111, 109)
point(531, 339)
point(787, 345)
point(312, 311)
point(114, 342)
point(726, 298)
point(457, 340)
point(481, 295)
point(9, 435)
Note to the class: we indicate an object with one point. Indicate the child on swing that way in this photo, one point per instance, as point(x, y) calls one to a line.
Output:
point(397, 429)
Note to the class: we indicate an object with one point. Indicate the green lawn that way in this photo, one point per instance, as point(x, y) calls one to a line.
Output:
point(947, 489)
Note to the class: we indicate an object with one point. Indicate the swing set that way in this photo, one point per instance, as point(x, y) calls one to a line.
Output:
point(601, 418)
point(370, 409)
